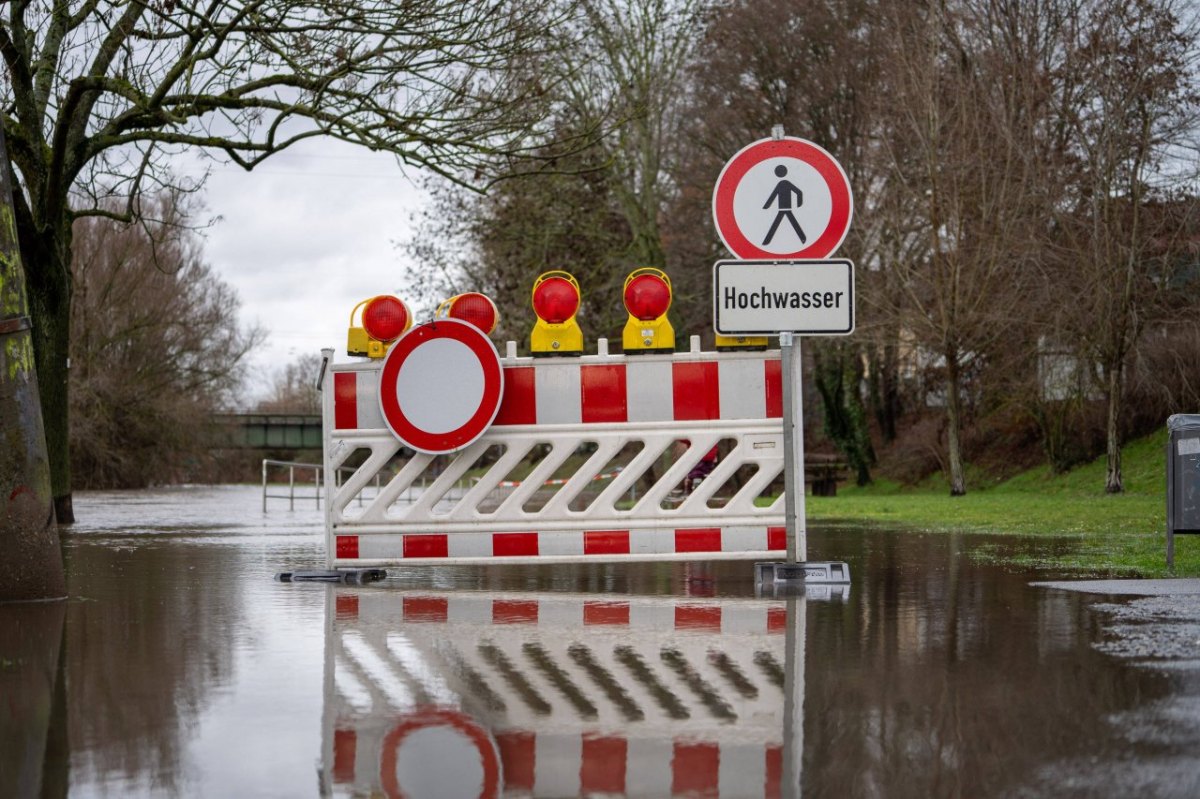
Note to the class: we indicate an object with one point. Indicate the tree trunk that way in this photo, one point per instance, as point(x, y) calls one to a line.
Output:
point(31, 566)
point(1113, 483)
point(50, 307)
point(958, 482)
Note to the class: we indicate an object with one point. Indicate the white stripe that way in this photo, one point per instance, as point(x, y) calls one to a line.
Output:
point(654, 617)
point(386, 545)
point(744, 539)
point(564, 543)
point(743, 770)
point(743, 387)
point(556, 765)
point(469, 609)
point(651, 541)
point(370, 417)
point(648, 389)
point(560, 612)
point(648, 768)
point(559, 393)
point(736, 619)
point(469, 545)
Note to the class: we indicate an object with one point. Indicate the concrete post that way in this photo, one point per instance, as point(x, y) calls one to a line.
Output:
point(31, 567)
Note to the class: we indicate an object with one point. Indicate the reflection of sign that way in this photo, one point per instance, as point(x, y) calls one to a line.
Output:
point(440, 386)
point(809, 297)
point(439, 752)
point(782, 198)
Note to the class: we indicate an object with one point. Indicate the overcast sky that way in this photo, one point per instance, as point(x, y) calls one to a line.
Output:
point(306, 236)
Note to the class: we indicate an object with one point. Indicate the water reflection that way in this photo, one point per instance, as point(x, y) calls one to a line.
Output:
point(188, 671)
point(30, 684)
point(482, 693)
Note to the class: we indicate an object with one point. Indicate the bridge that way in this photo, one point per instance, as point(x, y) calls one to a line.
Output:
point(266, 430)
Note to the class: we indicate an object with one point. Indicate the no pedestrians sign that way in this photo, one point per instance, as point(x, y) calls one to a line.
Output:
point(783, 199)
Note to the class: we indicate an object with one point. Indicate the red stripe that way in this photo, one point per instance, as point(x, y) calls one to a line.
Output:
point(345, 742)
point(774, 389)
point(776, 538)
point(514, 611)
point(347, 546)
point(606, 542)
point(695, 770)
point(608, 614)
point(347, 607)
point(518, 753)
point(514, 544)
point(603, 767)
point(696, 390)
point(703, 539)
point(426, 546)
point(519, 403)
point(774, 782)
point(345, 400)
point(692, 617)
point(776, 620)
point(425, 608)
point(603, 393)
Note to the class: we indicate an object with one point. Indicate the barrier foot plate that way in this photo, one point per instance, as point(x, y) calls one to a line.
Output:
point(332, 576)
point(813, 572)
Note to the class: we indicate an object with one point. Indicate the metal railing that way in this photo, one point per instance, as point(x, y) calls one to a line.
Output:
point(291, 496)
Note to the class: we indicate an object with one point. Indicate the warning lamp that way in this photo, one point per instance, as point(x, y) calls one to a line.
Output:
point(474, 308)
point(556, 301)
point(647, 297)
point(730, 343)
point(383, 320)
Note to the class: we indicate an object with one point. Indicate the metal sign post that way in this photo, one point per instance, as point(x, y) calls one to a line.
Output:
point(793, 448)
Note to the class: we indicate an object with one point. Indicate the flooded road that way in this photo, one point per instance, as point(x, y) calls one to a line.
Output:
point(179, 667)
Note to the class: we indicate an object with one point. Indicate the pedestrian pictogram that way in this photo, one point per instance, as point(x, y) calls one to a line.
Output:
point(784, 198)
point(440, 386)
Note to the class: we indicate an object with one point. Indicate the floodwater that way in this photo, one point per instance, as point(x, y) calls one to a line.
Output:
point(179, 667)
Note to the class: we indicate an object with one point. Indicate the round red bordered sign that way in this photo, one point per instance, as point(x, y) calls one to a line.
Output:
point(439, 752)
point(440, 386)
point(782, 199)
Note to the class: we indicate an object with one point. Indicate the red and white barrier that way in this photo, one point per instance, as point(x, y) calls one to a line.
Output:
point(480, 505)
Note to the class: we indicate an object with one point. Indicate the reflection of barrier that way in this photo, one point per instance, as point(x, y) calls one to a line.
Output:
point(581, 695)
point(618, 412)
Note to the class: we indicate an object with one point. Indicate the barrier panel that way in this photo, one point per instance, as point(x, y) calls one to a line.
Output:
point(612, 441)
point(521, 694)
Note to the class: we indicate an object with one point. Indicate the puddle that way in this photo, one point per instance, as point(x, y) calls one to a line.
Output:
point(180, 667)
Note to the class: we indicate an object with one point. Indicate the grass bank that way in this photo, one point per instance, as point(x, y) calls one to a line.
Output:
point(1120, 534)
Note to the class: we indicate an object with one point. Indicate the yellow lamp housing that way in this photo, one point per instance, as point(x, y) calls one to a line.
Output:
point(730, 343)
point(647, 295)
point(383, 319)
point(556, 298)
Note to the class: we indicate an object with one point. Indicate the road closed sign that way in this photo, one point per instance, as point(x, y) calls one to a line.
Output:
point(770, 297)
point(784, 198)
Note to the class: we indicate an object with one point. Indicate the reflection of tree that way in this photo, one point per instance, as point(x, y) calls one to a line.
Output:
point(148, 637)
point(936, 680)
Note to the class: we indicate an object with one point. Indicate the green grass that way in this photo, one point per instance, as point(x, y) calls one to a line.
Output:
point(1120, 534)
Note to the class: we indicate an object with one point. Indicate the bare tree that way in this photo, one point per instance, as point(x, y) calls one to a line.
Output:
point(1131, 107)
point(294, 387)
point(156, 349)
point(97, 97)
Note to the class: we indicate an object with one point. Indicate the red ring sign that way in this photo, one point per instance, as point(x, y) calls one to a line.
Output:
point(782, 199)
point(440, 744)
point(440, 386)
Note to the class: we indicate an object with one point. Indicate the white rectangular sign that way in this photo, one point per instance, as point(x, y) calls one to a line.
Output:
point(814, 298)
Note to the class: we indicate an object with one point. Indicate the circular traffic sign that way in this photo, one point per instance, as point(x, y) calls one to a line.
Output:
point(439, 752)
point(440, 386)
point(782, 199)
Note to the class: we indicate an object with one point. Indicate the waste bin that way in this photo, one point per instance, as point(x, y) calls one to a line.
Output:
point(1183, 479)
